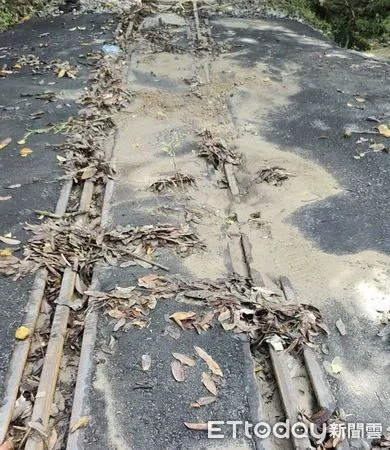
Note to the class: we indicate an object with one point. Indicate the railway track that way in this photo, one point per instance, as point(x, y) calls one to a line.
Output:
point(47, 382)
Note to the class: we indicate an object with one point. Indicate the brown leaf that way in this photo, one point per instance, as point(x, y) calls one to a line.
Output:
point(177, 371)
point(203, 401)
point(81, 423)
point(116, 314)
point(5, 142)
point(209, 383)
point(213, 366)
point(207, 320)
point(184, 359)
point(341, 327)
point(148, 281)
point(180, 316)
point(196, 426)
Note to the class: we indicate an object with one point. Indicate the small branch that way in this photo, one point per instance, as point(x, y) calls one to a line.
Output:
point(57, 216)
point(128, 252)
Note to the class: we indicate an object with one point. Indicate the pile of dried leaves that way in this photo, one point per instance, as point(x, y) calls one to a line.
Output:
point(58, 244)
point(178, 180)
point(382, 443)
point(59, 67)
point(216, 151)
point(272, 175)
point(233, 302)
point(164, 38)
point(84, 155)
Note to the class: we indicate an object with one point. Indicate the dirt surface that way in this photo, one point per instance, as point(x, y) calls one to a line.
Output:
point(266, 101)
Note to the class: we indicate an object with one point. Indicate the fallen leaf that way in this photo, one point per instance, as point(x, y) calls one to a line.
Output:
point(384, 130)
point(21, 142)
point(6, 252)
point(360, 99)
point(146, 362)
point(88, 172)
point(14, 186)
point(4, 143)
point(196, 426)
point(178, 317)
point(184, 359)
point(81, 423)
point(267, 79)
point(116, 314)
point(22, 333)
point(224, 316)
point(9, 241)
point(148, 281)
point(8, 445)
point(5, 198)
point(209, 383)
point(203, 401)
point(335, 365)
point(228, 326)
point(377, 147)
point(341, 327)
point(177, 371)
point(24, 19)
point(213, 366)
point(61, 159)
point(25, 151)
point(152, 303)
point(121, 322)
point(61, 73)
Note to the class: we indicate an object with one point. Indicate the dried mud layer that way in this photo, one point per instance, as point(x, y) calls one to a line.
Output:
point(237, 88)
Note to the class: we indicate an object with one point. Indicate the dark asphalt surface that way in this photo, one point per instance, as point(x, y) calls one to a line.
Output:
point(38, 174)
point(329, 78)
point(147, 410)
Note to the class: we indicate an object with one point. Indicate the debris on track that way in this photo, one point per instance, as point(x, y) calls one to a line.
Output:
point(272, 175)
point(178, 180)
point(216, 151)
point(233, 303)
point(58, 244)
